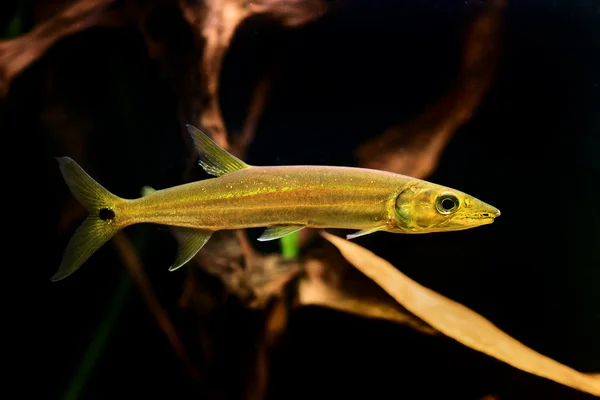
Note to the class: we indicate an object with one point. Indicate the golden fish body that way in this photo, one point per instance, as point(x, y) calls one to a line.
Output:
point(312, 196)
point(283, 199)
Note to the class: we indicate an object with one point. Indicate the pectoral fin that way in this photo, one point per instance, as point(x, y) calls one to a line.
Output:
point(190, 243)
point(213, 158)
point(278, 231)
point(366, 232)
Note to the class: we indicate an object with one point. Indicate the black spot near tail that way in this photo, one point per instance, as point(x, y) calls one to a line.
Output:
point(106, 214)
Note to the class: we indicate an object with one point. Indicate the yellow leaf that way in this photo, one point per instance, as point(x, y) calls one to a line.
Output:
point(459, 322)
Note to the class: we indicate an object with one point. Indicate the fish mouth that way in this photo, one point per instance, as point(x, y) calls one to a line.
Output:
point(480, 218)
point(472, 220)
point(486, 215)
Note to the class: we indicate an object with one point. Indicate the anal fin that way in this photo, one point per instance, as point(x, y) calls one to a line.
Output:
point(190, 242)
point(366, 232)
point(279, 231)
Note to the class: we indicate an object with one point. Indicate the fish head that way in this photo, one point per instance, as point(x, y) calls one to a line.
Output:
point(425, 207)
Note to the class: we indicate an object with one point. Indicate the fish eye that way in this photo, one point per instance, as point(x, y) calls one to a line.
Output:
point(446, 203)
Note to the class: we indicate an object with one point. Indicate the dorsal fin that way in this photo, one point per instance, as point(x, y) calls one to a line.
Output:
point(213, 158)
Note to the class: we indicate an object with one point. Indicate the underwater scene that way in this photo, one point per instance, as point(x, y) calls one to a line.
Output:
point(302, 199)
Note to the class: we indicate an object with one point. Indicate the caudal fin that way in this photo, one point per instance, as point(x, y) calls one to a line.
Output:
point(100, 225)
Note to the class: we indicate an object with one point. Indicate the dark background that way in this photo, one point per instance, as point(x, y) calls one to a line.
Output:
point(531, 149)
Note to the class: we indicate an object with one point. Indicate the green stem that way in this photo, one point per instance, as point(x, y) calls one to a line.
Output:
point(290, 247)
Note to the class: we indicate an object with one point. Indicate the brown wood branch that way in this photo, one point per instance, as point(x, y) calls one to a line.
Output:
point(326, 280)
point(275, 323)
point(254, 279)
point(256, 109)
point(215, 23)
point(249, 252)
point(135, 268)
point(415, 148)
point(331, 282)
point(290, 13)
point(312, 293)
point(18, 54)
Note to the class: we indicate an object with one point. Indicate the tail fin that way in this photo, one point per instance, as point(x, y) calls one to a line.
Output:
point(99, 227)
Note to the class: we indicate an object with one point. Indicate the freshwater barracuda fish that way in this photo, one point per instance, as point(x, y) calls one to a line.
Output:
point(283, 199)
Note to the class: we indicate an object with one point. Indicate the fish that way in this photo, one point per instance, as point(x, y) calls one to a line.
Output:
point(282, 199)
